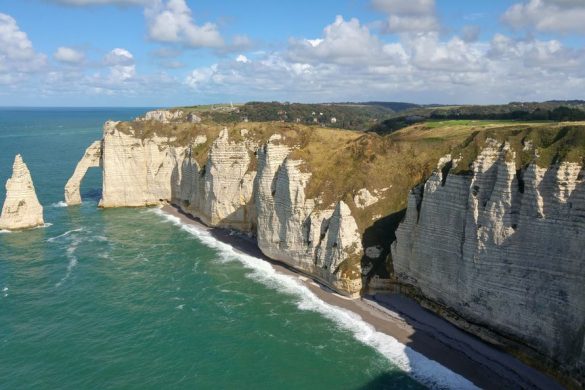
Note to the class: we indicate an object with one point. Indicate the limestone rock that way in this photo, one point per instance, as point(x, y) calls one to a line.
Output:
point(166, 116)
point(503, 249)
point(91, 158)
point(137, 172)
point(220, 194)
point(193, 118)
point(364, 198)
point(228, 192)
point(21, 209)
point(291, 229)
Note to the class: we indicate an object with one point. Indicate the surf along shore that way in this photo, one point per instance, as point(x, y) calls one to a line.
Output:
point(404, 320)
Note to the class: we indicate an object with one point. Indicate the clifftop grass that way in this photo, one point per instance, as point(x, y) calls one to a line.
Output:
point(342, 162)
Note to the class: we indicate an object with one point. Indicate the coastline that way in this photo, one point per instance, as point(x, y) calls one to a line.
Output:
point(407, 322)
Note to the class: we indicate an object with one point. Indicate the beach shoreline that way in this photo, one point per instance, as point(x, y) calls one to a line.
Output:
point(406, 321)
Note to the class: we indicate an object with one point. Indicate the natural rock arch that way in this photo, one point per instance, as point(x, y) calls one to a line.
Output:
point(91, 158)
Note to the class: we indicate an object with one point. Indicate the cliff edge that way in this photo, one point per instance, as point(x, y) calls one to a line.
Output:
point(489, 238)
point(496, 246)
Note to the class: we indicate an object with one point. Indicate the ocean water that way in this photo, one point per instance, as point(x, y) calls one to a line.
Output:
point(130, 299)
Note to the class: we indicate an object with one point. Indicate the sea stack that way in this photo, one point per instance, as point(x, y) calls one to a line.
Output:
point(21, 209)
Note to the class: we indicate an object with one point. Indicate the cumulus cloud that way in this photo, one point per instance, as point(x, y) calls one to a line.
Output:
point(172, 22)
point(409, 16)
point(121, 65)
point(69, 55)
point(17, 55)
point(14, 43)
point(564, 16)
point(344, 42)
point(349, 62)
point(242, 58)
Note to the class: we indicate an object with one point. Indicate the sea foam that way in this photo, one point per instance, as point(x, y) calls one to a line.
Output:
point(73, 242)
point(64, 235)
point(418, 366)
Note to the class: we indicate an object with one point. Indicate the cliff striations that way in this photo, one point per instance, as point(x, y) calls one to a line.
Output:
point(240, 179)
point(21, 209)
point(499, 250)
point(489, 239)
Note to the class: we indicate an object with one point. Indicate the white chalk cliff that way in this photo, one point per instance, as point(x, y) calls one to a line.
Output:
point(91, 158)
point(220, 192)
point(501, 250)
point(292, 229)
point(163, 116)
point(228, 192)
point(496, 249)
point(136, 172)
point(21, 209)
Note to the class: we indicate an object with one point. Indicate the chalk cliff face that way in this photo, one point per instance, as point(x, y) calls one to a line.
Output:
point(164, 116)
point(91, 158)
point(229, 191)
point(220, 193)
point(292, 229)
point(136, 172)
point(496, 248)
point(21, 209)
point(502, 249)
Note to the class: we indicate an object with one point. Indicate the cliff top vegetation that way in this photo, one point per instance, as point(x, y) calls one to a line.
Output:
point(342, 163)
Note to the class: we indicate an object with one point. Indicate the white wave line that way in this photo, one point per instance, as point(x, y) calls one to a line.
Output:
point(418, 366)
point(64, 234)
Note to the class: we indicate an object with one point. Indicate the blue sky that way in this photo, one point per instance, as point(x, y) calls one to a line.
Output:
point(177, 52)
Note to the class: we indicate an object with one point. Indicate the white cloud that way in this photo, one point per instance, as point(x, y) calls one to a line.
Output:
point(69, 55)
point(119, 57)
point(345, 42)
point(17, 55)
point(14, 43)
point(564, 16)
point(427, 52)
point(409, 16)
point(348, 62)
point(242, 58)
point(172, 22)
point(121, 64)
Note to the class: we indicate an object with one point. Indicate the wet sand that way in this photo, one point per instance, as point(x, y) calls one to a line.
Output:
point(409, 323)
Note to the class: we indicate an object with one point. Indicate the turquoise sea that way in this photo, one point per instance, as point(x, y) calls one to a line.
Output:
point(129, 299)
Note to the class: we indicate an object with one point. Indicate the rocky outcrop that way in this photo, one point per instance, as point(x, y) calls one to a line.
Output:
point(21, 209)
point(163, 116)
point(91, 158)
point(501, 250)
point(364, 198)
point(193, 118)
